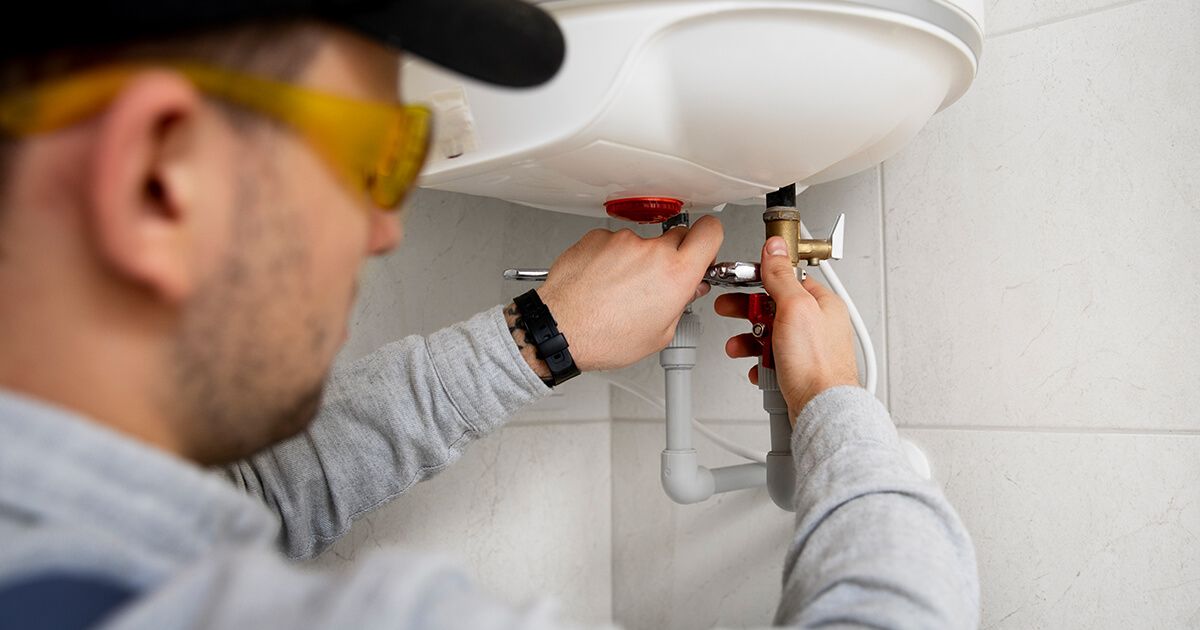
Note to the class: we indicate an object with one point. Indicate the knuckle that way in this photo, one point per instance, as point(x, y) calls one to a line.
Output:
point(596, 234)
point(625, 235)
point(781, 270)
point(791, 307)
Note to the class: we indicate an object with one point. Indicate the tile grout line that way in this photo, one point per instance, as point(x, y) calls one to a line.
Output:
point(887, 304)
point(612, 515)
point(1052, 429)
point(964, 428)
point(1063, 18)
point(559, 422)
point(724, 422)
point(613, 392)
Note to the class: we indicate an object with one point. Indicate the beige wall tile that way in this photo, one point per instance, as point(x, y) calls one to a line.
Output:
point(526, 511)
point(1098, 531)
point(1041, 233)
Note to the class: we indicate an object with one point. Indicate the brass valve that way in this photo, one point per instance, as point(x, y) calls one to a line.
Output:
point(784, 220)
point(814, 250)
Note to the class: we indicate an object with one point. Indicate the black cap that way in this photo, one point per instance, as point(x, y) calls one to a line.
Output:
point(505, 42)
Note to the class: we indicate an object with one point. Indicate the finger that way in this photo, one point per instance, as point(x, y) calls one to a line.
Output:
point(701, 290)
point(822, 293)
point(594, 235)
point(675, 235)
point(778, 274)
point(742, 346)
point(703, 239)
point(735, 305)
point(753, 375)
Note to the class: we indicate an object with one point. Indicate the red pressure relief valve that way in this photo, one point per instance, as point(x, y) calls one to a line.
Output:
point(761, 313)
point(644, 209)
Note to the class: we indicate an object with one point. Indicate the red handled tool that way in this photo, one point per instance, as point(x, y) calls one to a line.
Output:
point(761, 313)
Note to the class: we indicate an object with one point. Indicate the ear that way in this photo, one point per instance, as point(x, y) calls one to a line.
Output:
point(146, 170)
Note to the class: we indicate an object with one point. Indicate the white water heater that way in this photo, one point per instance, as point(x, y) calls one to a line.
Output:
point(702, 101)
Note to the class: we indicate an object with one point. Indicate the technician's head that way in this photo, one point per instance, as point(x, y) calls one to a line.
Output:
point(187, 191)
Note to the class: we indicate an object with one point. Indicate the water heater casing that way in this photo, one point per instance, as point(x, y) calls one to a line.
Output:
point(706, 101)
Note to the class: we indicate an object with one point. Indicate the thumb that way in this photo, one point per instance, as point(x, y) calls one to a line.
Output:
point(778, 274)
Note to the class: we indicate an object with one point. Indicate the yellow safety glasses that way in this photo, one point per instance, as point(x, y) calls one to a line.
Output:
point(376, 148)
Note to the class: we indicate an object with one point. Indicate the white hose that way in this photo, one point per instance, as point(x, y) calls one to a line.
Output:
point(870, 367)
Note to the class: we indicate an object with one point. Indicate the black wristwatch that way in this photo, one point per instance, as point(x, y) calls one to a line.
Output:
point(543, 333)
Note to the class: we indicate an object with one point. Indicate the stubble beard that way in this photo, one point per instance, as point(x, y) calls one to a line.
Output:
point(250, 348)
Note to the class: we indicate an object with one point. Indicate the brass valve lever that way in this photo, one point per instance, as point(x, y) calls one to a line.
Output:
point(815, 250)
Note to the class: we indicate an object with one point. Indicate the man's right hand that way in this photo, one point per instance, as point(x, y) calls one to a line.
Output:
point(617, 296)
point(813, 342)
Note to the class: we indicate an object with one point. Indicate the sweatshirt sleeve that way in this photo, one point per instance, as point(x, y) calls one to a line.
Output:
point(387, 421)
point(875, 545)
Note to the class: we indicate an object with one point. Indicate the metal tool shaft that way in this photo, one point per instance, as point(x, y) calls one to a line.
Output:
point(723, 274)
point(526, 275)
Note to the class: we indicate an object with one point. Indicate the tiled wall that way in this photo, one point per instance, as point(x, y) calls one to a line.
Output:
point(1042, 305)
point(526, 510)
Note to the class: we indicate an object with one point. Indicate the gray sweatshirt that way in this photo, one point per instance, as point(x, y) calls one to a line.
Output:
point(875, 546)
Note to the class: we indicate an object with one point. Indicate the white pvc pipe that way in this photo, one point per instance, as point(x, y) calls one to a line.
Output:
point(683, 478)
point(739, 477)
point(679, 397)
point(781, 467)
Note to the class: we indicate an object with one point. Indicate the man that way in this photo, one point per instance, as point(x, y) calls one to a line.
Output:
point(188, 192)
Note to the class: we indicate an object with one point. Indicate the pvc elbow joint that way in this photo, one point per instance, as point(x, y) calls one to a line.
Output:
point(683, 479)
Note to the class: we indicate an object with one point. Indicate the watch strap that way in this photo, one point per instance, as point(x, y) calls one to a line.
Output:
point(550, 344)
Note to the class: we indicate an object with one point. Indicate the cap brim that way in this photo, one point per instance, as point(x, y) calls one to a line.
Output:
point(505, 42)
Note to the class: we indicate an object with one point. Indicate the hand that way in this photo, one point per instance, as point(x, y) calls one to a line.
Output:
point(617, 296)
point(814, 349)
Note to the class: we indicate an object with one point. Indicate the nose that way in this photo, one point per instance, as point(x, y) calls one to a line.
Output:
point(385, 232)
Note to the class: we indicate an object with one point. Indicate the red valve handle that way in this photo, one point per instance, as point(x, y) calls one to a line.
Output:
point(761, 313)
